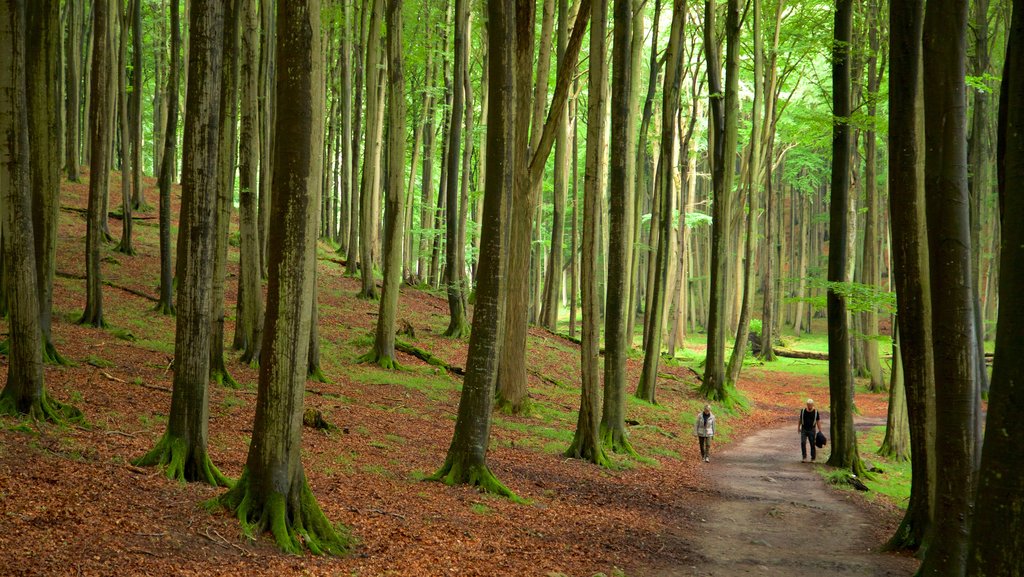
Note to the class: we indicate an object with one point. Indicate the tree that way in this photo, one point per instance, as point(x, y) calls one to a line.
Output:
point(371, 154)
point(99, 178)
point(586, 442)
point(466, 462)
point(273, 493)
point(895, 445)
point(620, 216)
point(165, 305)
point(182, 451)
point(455, 252)
point(24, 392)
point(840, 376)
point(73, 91)
point(225, 190)
point(42, 73)
point(994, 547)
point(383, 352)
point(127, 158)
point(954, 334)
point(910, 263)
point(250, 290)
point(723, 110)
point(135, 106)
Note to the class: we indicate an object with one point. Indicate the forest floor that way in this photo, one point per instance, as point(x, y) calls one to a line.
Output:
point(72, 504)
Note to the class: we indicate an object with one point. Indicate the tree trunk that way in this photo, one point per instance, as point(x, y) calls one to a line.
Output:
point(383, 352)
point(353, 251)
point(613, 418)
point(724, 114)
point(34, 31)
point(371, 155)
point(586, 442)
point(669, 118)
point(466, 462)
point(250, 291)
point(427, 185)
point(347, 149)
point(574, 287)
point(166, 303)
point(268, 79)
point(182, 451)
point(455, 251)
point(998, 521)
point(953, 307)
point(125, 246)
point(73, 91)
point(43, 98)
point(273, 493)
point(896, 444)
point(844, 437)
point(135, 106)
point(869, 270)
point(99, 178)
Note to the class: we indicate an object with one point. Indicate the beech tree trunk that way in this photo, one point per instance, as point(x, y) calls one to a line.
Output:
point(371, 154)
point(840, 373)
point(870, 274)
point(952, 283)
point(73, 91)
point(250, 291)
point(273, 493)
point(182, 451)
point(994, 547)
point(166, 303)
point(383, 352)
point(99, 179)
point(455, 251)
point(123, 106)
point(466, 462)
point(24, 392)
point(135, 106)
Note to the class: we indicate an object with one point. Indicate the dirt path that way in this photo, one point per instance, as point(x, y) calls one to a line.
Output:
point(773, 515)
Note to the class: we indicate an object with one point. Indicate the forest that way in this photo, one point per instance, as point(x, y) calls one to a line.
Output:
point(438, 287)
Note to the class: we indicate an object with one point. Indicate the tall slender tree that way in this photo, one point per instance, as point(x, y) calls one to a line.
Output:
point(123, 15)
point(182, 451)
point(954, 334)
point(371, 153)
point(73, 91)
point(165, 304)
point(620, 216)
point(250, 322)
point(24, 391)
point(994, 547)
point(840, 373)
point(99, 178)
point(135, 106)
point(273, 493)
point(42, 73)
point(586, 442)
point(455, 251)
point(466, 462)
point(383, 352)
point(723, 109)
point(910, 263)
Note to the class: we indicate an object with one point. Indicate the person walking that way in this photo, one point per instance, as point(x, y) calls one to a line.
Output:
point(810, 422)
point(704, 428)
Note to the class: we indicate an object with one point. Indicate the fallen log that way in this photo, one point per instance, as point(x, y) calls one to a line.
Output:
point(428, 358)
point(791, 354)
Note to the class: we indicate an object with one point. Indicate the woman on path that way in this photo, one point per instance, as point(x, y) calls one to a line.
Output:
point(704, 428)
point(810, 421)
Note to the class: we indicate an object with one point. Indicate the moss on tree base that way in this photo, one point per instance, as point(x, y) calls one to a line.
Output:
point(316, 374)
point(458, 331)
point(295, 523)
point(456, 472)
point(46, 408)
point(595, 455)
point(179, 462)
point(52, 356)
point(383, 361)
point(522, 408)
point(165, 309)
point(616, 441)
point(223, 378)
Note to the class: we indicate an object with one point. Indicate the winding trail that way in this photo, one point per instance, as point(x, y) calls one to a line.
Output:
point(773, 515)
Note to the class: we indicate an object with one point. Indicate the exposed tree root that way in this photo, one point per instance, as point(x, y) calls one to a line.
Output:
point(46, 408)
point(455, 472)
point(179, 462)
point(316, 374)
point(428, 358)
point(165, 309)
point(905, 539)
point(370, 295)
point(617, 442)
point(121, 249)
point(52, 356)
point(294, 523)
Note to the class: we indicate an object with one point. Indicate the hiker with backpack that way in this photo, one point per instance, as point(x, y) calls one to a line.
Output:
point(810, 421)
